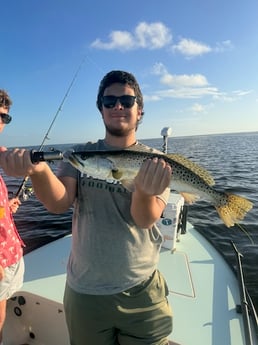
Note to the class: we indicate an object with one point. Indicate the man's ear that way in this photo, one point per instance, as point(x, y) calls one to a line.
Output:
point(139, 116)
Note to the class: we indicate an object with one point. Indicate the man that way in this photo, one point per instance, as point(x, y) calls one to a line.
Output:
point(11, 253)
point(114, 293)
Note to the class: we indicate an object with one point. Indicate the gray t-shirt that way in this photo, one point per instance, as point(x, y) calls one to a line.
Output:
point(110, 253)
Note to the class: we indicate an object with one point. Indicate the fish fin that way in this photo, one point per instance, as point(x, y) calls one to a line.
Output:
point(234, 210)
point(128, 184)
point(190, 198)
point(195, 168)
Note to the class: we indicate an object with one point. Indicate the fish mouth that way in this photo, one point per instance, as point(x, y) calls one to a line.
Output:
point(70, 157)
point(75, 161)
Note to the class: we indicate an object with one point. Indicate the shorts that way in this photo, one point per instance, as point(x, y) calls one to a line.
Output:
point(140, 315)
point(12, 281)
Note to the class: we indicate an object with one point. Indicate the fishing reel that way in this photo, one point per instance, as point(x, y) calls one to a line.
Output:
point(26, 193)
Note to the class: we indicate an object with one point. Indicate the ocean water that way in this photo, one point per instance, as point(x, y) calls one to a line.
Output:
point(232, 159)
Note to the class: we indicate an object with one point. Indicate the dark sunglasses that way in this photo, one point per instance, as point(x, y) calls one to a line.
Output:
point(126, 101)
point(6, 118)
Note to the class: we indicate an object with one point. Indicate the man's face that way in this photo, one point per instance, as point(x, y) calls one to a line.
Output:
point(120, 120)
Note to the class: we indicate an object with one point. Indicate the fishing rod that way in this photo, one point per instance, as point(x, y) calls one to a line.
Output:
point(21, 190)
point(246, 306)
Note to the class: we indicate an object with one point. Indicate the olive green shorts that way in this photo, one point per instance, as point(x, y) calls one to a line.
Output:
point(140, 315)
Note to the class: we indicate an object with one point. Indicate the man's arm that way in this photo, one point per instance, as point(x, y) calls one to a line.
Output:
point(56, 195)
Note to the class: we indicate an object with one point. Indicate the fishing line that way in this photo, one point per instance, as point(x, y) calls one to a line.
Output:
point(246, 233)
point(21, 189)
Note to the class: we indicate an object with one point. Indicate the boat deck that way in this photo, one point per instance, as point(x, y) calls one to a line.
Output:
point(203, 295)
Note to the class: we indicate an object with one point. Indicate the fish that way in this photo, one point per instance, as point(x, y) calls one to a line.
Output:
point(189, 179)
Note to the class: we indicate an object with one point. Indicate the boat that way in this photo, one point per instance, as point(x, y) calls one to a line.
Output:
point(209, 301)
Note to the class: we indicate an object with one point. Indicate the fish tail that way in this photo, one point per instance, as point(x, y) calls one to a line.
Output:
point(234, 209)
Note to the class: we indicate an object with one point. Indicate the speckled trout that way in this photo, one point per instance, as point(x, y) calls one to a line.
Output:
point(188, 178)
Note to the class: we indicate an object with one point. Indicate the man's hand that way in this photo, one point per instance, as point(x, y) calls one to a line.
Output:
point(152, 180)
point(153, 177)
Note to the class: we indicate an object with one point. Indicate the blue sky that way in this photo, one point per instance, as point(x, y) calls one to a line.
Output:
point(196, 62)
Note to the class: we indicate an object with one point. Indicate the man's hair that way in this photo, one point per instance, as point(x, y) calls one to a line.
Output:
point(121, 77)
point(5, 100)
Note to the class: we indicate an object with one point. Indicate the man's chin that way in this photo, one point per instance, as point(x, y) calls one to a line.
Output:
point(118, 132)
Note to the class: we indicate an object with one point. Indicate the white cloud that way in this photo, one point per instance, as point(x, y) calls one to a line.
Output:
point(152, 98)
point(188, 92)
point(118, 40)
point(183, 80)
point(190, 48)
point(198, 108)
point(241, 93)
point(156, 35)
point(159, 69)
point(197, 80)
point(233, 95)
point(223, 46)
point(152, 36)
point(146, 35)
point(191, 86)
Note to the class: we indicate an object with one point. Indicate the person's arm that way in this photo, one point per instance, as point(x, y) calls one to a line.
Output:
point(56, 195)
point(152, 180)
point(1, 272)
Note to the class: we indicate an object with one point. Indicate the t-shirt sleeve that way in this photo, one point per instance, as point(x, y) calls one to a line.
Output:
point(66, 169)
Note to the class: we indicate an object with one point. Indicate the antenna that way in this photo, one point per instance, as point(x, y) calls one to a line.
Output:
point(165, 132)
